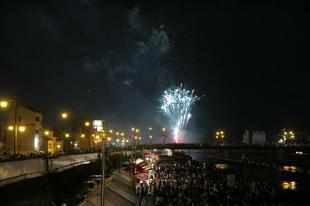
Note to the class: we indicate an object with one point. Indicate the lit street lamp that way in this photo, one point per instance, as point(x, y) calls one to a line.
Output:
point(287, 136)
point(163, 134)
point(150, 135)
point(3, 105)
point(64, 115)
point(46, 132)
point(220, 134)
point(21, 128)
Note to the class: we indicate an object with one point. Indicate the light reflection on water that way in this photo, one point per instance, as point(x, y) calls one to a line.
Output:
point(291, 168)
point(282, 183)
point(220, 166)
point(289, 185)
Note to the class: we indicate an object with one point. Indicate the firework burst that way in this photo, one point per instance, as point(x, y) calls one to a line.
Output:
point(176, 105)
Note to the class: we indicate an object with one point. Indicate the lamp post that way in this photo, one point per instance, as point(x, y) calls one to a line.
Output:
point(288, 136)
point(102, 171)
point(134, 137)
point(4, 104)
point(219, 135)
point(150, 135)
point(103, 164)
point(164, 134)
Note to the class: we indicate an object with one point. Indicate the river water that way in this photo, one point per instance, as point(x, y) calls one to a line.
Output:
point(287, 179)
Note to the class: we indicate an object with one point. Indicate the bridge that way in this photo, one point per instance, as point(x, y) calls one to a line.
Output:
point(288, 148)
point(16, 170)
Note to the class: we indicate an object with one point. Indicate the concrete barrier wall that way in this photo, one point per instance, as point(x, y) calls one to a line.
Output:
point(18, 168)
point(68, 161)
point(14, 171)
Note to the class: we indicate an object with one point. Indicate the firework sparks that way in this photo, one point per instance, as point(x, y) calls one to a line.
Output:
point(176, 105)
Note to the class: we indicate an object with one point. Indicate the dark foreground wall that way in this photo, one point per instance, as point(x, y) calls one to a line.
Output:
point(56, 187)
point(14, 171)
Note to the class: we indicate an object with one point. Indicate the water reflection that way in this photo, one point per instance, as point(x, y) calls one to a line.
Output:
point(220, 166)
point(290, 168)
point(291, 185)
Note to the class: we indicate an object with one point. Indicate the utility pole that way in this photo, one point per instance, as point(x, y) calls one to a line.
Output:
point(102, 171)
point(15, 125)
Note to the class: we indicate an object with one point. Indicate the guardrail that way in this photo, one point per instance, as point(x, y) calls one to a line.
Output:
point(15, 171)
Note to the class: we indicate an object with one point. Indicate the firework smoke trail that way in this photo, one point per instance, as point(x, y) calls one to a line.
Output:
point(176, 105)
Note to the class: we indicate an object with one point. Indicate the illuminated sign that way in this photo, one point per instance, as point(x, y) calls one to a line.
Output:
point(97, 125)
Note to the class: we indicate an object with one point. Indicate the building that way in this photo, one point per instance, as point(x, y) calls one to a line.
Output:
point(29, 131)
point(246, 137)
point(50, 143)
point(258, 137)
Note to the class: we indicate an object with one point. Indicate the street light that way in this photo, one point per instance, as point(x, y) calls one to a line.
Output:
point(86, 124)
point(82, 135)
point(290, 135)
point(47, 133)
point(67, 135)
point(10, 128)
point(21, 128)
point(4, 104)
point(219, 134)
point(64, 115)
point(150, 134)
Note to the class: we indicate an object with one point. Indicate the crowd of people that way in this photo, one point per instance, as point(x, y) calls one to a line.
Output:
point(181, 181)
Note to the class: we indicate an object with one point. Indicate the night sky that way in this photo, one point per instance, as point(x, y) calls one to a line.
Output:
point(113, 59)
